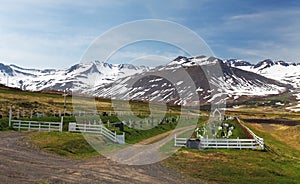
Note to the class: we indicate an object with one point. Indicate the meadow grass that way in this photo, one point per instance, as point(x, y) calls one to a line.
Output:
point(279, 163)
point(66, 144)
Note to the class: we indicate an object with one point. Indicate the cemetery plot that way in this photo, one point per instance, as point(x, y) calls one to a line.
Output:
point(231, 134)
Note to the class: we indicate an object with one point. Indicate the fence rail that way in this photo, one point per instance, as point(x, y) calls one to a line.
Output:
point(218, 143)
point(180, 142)
point(36, 125)
point(255, 143)
point(229, 143)
point(259, 140)
point(97, 129)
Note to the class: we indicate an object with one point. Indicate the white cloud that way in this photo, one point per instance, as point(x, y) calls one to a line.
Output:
point(274, 34)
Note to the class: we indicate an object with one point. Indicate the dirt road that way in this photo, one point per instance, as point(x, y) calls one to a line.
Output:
point(147, 152)
point(23, 163)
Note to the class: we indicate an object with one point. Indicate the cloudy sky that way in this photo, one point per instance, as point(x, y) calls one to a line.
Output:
point(56, 33)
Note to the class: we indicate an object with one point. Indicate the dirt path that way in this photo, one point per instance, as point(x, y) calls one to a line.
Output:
point(145, 153)
point(23, 163)
point(163, 135)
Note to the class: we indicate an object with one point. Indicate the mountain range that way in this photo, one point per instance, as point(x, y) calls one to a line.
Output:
point(74, 78)
point(288, 73)
point(175, 82)
point(169, 83)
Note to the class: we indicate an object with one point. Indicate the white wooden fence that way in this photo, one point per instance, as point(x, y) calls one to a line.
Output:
point(259, 140)
point(37, 125)
point(180, 142)
point(229, 143)
point(255, 143)
point(97, 129)
point(219, 143)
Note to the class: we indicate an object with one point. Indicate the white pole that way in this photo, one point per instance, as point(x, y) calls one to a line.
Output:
point(10, 115)
point(175, 140)
point(61, 124)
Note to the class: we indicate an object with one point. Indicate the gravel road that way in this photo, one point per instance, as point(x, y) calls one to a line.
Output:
point(23, 163)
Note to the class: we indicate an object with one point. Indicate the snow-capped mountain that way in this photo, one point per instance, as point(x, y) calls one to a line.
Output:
point(77, 77)
point(287, 73)
point(182, 81)
point(172, 83)
point(236, 63)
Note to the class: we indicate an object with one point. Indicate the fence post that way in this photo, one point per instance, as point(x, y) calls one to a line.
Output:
point(206, 140)
point(261, 143)
point(123, 141)
point(49, 128)
point(61, 124)
point(29, 125)
point(10, 116)
point(227, 144)
point(19, 126)
point(175, 140)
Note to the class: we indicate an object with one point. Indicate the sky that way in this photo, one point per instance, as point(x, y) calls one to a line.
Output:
point(57, 33)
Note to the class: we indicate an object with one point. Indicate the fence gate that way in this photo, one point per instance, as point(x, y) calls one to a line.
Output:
point(97, 129)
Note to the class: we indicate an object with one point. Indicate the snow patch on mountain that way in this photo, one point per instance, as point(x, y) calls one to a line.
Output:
point(280, 71)
point(78, 77)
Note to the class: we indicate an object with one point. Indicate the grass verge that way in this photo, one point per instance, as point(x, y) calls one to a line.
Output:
point(72, 145)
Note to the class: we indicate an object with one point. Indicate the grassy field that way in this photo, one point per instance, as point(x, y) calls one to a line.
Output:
point(279, 163)
point(72, 145)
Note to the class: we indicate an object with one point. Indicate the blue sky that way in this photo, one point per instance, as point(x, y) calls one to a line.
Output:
point(55, 34)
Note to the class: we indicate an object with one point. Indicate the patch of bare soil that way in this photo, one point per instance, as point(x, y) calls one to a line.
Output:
point(23, 163)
